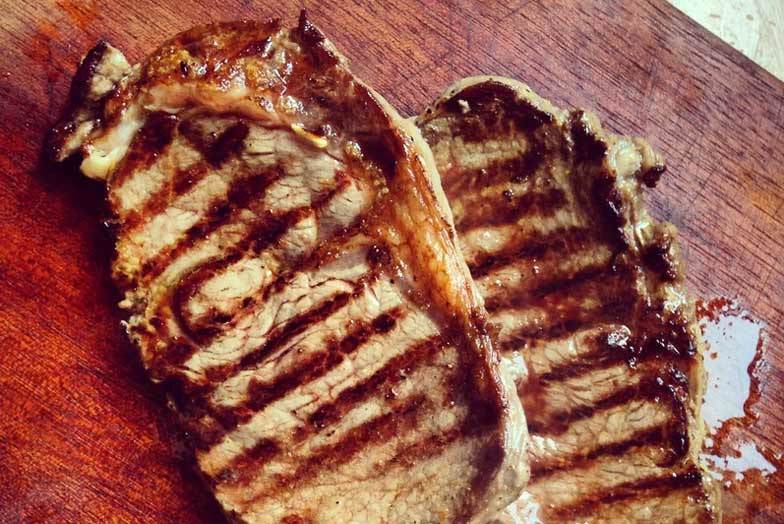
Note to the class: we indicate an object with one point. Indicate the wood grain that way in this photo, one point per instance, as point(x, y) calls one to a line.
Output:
point(82, 435)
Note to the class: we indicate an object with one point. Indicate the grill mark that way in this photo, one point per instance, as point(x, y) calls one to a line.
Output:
point(574, 319)
point(242, 194)
point(385, 379)
point(269, 231)
point(296, 519)
point(194, 398)
point(260, 395)
point(401, 420)
point(242, 466)
point(281, 336)
point(563, 241)
point(643, 437)
point(671, 386)
point(303, 262)
point(594, 280)
point(408, 456)
point(518, 169)
point(217, 151)
point(655, 486)
point(182, 181)
point(651, 388)
point(309, 369)
point(277, 337)
point(510, 208)
point(612, 348)
point(152, 140)
point(225, 146)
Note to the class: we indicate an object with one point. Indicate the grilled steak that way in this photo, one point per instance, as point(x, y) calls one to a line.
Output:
point(291, 276)
point(588, 294)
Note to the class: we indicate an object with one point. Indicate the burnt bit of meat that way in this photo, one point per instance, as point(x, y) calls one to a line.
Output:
point(313, 41)
point(77, 99)
point(608, 202)
point(229, 143)
point(659, 257)
point(653, 174)
point(490, 107)
point(587, 146)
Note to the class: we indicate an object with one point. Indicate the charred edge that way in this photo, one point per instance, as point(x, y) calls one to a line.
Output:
point(152, 140)
point(658, 256)
point(563, 241)
point(587, 146)
point(200, 44)
point(491, 107)
point(258, 49)
point(242, 194)
point(656, 486)
point(311, 368)
point(511, 208)
point(77, 99)
point(651, 176)
point(609, 204)
point(314, 43)
point(403, 419)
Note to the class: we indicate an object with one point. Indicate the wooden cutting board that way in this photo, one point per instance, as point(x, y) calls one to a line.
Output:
point(82, 435)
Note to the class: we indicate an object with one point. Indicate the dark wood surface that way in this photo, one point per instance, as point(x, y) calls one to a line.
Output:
point(82, 435)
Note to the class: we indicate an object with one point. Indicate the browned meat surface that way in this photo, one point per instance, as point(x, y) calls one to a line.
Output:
point(587, 291)
point(291, 277)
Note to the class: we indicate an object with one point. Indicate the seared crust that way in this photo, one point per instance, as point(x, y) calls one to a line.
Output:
point(588, 293)
point(292, 278)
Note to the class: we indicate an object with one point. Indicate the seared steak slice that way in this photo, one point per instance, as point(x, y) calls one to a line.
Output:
point(588, 293)
point(291, 276)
